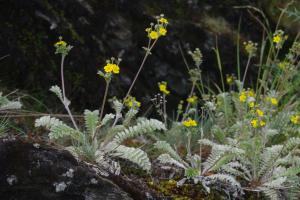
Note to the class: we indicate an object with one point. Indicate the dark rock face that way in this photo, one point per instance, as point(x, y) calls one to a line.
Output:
point(101, 29)
point(30, 171)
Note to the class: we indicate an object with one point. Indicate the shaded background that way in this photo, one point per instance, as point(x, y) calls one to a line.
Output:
point(99, 29)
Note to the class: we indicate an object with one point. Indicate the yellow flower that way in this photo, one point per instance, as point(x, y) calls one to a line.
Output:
point(112, 68)
point(277, 39)
point(115, 69)
point(259, 112)
point(250, 48)
point(254, 123)
point(192, 99)
point(108, 68)
point(274, 101)
point(163, 88)
point(251, 104)
point(162, 31)
point(163, 20)
point(229, 79)
point(189, 123)
point(284, 65)
point(60, 43)
point(243, 97)
point(262, 123)
point(131, 102)
point(251, 93)
point(295, 119)
point(153, 35)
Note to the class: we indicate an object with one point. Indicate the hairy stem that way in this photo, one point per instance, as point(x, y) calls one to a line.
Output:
point(165, 109)
point(102, 108)
point(64, 100)
point(62, 75)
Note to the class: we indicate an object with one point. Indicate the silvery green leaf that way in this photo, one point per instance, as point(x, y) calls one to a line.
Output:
point(56, 90)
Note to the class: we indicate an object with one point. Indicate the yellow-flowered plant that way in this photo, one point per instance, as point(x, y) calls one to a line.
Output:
point(61, 47)
point(153, 35)
point(247, 95)
point(230, 78)
point(192, 99)
point(259, 112)
point(163, 20)
point(251, 104)
point(100, 139)
point(279, 38)
point(189, 123)
point(255, 123)
point(295, 119)
point(284, 65)
point(257, 120)
point(159, 29)
point(272, 100)
point(243, 96)
point(112, 68)
point(131, 102)
point(250, 48)
point(163, 88)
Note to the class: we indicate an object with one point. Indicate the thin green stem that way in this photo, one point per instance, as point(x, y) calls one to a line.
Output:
point(246, 70)
point(148, 51)
point(220, 67)
point(238, 51)
point(188, 105)
point(261, 57)
point(102, 108)
point(104, 100)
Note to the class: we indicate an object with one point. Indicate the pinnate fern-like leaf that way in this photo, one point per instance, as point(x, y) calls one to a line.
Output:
point(167, 159)
point(57, 91)
point(142, 127)
point(134, 155)
point(91, 119)
point(166, 147)
point(129, 116)
point(58, 129)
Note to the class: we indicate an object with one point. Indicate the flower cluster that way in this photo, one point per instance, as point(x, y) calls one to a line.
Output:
point(256, 123)
point(279, 38)
point(111, 67)
point(250, 48)
point(247, 96)
point(189, 123)
point(259, 112)
point(196, 56)
point(230, 78)
point(192, 99)
point(272, 100)
point(283, 65)
point(295, 119)
point(131, 102)
point(163, 88)
point(61, 47)
point(158, 29)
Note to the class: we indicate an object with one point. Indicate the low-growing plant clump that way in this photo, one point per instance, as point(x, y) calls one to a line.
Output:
point(239, 140)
